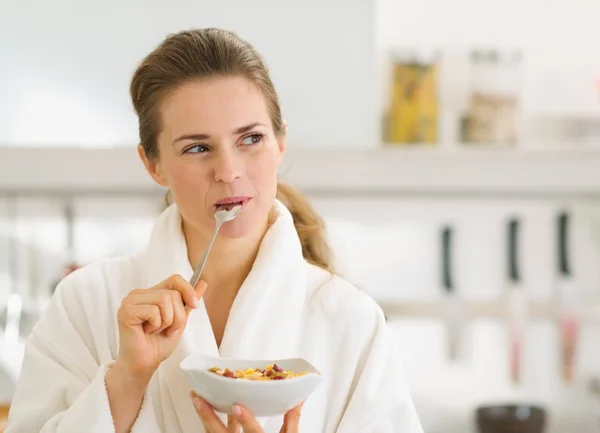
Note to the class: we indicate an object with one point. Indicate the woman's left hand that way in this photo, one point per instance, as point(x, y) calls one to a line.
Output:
point(241, 419)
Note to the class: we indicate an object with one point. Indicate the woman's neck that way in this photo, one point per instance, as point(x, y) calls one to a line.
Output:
point(230, 260)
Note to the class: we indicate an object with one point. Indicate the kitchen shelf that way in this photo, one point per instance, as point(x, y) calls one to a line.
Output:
point(384, 171)
point(499, 309)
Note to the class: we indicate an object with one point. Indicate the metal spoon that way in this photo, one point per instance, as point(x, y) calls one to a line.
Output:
point(221, 217)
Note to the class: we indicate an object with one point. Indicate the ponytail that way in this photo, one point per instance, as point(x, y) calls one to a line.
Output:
point(309, 225)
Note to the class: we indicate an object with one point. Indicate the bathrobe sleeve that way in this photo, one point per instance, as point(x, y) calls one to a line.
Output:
point(380, 400)
point(61, 386)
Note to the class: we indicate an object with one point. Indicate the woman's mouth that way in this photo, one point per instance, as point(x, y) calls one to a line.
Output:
point(229, 203)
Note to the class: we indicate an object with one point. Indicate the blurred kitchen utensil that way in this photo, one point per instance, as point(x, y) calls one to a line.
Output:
point(221, 217)
point(517, 301)
point(453, 311)
point(569, 298)
point(517, 418)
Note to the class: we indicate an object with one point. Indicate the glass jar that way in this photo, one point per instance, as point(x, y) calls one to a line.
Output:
point(493, 115)
point(412, 117)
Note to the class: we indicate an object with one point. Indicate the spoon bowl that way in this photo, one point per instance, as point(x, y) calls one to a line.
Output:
point(225, 215)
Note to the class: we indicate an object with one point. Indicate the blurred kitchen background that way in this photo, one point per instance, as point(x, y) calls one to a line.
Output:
point(453, 147)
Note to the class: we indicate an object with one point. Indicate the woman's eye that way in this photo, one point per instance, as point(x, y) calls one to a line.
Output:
point(198, 148)
point(252, 139)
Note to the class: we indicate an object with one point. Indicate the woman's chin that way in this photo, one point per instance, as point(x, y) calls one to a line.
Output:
point(239, 228)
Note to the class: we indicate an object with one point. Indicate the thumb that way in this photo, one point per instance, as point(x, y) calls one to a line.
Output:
point(200, 289)
point(291, 420)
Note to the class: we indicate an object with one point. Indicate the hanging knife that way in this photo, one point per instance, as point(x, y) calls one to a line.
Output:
point(453, 311)
point(569, 302)
point(517, 301)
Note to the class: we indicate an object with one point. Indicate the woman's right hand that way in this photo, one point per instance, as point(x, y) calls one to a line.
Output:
point(151, 323)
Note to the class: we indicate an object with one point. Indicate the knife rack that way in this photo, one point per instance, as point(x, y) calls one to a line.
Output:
point(498, 309)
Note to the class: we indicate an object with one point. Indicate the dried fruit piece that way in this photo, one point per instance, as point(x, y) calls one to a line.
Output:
point(271, 372)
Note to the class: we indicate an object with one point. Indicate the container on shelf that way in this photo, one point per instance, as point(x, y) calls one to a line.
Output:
point(493, 113)
point(412, 115)
point(515, 418)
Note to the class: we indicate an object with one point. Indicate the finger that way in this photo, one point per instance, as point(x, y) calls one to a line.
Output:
point(134, 315)
point(291, 420)
point(200, 288)
point(165, 303)
point(179, 314)
point(188, 293)
point(232, 425)
point(163, 298)
point(207, 415)
point(199, 292)
point(246, 420)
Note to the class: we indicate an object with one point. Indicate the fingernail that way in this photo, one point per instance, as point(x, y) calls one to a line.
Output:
point(197, 403)
point(237, 411)
point(173, 332)
point(195, 302)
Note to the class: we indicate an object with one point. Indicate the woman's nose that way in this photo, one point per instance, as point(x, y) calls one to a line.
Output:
point(228, 168)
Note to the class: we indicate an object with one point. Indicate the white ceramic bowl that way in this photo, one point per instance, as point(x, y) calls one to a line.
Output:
point(263, 398)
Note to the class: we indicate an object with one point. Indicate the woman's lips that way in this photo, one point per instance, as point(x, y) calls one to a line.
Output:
point(230, 202)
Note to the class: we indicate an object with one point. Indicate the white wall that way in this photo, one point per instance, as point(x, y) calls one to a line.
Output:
point(66, 65)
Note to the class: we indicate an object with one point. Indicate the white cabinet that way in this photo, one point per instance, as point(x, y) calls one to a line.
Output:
point(36, 233)
point(402, 236)
point(391, 248)
point(107, 227)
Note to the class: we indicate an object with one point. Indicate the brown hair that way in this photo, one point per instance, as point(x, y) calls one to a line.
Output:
point(210, 53)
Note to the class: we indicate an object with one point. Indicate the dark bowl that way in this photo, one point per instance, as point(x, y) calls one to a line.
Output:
point(511, 418)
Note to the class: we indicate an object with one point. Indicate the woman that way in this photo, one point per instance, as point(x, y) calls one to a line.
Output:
point(104, 357)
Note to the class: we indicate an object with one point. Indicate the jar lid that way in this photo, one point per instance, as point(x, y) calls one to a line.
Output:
point(496, 56)
point(415, 55)
point(483, 55)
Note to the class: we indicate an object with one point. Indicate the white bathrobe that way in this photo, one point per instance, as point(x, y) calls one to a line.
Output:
point(285, 308)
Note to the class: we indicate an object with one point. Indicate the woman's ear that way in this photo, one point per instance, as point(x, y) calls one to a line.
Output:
point(281, 142)
point(152, 167)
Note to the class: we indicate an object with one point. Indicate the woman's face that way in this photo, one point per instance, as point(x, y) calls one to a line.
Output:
point(217, 146)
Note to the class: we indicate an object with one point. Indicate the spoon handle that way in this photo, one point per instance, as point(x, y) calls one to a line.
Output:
point(200, 267)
